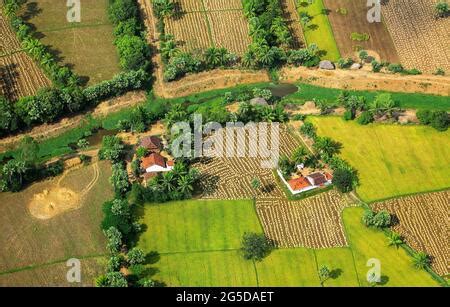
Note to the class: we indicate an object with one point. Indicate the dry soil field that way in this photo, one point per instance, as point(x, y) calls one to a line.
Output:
point(315, 222)
point(423, 222)
point(19, 74)
point(206, 23)
point(38, 242)
point(421, 40)
point(355, 20)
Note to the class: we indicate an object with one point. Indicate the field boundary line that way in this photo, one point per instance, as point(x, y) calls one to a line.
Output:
point(199, 251)
point(350, 245)
point(75, 27)
point(405, 195)
point(37, 266)
point(256, 273)
point(208, 24)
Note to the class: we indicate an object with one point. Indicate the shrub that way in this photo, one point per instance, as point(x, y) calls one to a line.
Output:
point(376, 66)
point(349, 115)
point(424, 116)
point(395, 68)
point(381, 219)
point(365, 118)
point(440, 120)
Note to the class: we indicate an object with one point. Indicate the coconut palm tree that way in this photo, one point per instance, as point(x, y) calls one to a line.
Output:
point(185, 185)
point(421, 260)
point(395, 239)
point(167, 182)
point(299, 155)
point(213, 57)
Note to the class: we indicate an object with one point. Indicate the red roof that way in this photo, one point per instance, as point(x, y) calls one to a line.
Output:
point(153, 159)
point(299, 183)
point(151, 142)
point(328, 176)
point(170, 163)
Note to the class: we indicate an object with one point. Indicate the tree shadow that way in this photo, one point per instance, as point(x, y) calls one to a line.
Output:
point(383, 280)
point(32, 10)
point(313, 27)
point(152, 257)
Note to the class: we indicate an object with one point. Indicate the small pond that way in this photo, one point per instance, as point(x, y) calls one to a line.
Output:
point(283, 89)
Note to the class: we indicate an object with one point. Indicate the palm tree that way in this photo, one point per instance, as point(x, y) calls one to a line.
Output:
point(421, 260)
point(169, 49)
point(248, 60)
point(185, 185)
point(395, 239)
point(326, 146)
point(165, 8)
point(299, 155)
point(212, 57)
point(167, 182)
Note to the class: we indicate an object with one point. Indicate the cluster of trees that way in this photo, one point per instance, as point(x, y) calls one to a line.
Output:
point(26, 168)
point(439, 120)
point(380, 220)
point(120, 226)
point(269, 32)
point(50, 104)
point(178, 63)
point(382, 105)
point(129, 37)
point(177, 184)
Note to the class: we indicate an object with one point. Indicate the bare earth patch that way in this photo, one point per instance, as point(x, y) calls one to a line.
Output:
point(59, 199)
point(364, 80)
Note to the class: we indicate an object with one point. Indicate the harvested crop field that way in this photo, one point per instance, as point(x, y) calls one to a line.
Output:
point(19, 75)
point(206, 23)
point(31, 241)
point(423, 222)
point(87, 47)
point(355, 21)
point(315, 222)
point(421, 39)
point(230, 178)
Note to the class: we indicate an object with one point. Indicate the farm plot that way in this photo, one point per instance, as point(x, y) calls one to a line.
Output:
point(349, 17)
point(293, 22)
point(319, 30)
point(230, 178)
point(8, 40)
point(391, 160)
point(314, 222)
point(20, 76)
point(33, 241)
point(86, 46)
point(210, 23)
point(423, 222)
point(421, 40)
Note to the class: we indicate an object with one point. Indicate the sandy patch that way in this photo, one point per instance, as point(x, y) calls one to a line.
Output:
point(59, 199)
point(53, 202)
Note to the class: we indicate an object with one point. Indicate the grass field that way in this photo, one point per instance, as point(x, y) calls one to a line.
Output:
point(319, 30)
point(197, 244)
point(86, 46)
point(31, 242)
point(391, 160)
point(396, 265)
point(416, 101)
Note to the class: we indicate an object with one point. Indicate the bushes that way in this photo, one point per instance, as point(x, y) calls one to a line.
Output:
point(112, 148)
point(381, 219)
point(365, 118)
point(437, 119)
point(133, 52)
point(343, 180)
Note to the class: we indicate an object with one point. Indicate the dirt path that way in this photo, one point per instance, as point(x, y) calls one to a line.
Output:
point(46, 131)
point(93, 181)
point(364, 80)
